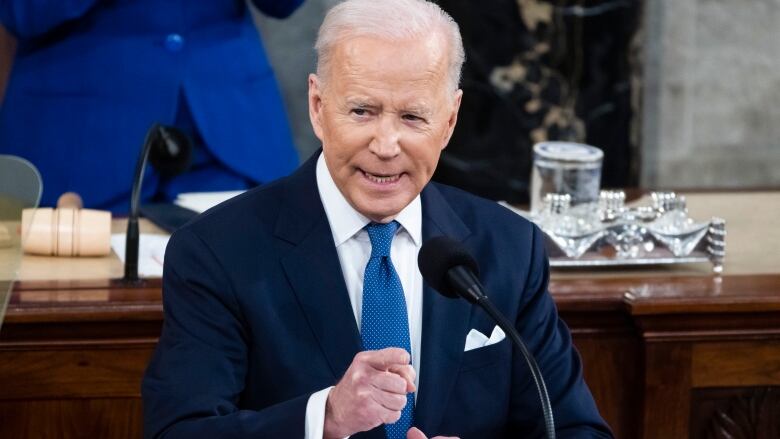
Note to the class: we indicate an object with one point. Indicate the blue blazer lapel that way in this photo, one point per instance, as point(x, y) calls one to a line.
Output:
point(444, 321)
point(313, 270)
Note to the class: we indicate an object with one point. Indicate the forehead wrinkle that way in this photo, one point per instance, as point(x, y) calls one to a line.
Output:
point(354, 55)
point(373, 91)
point(364, 79)
point(360, 101)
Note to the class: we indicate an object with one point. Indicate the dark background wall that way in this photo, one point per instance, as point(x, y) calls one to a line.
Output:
point(542, 70)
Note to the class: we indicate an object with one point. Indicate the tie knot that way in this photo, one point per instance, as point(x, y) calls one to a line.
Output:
point(381, 236)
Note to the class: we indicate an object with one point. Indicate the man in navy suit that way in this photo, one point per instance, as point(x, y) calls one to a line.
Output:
point(272, 298)
point(91, 76)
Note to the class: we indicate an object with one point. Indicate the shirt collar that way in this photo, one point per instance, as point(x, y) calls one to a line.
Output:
point(346, 222)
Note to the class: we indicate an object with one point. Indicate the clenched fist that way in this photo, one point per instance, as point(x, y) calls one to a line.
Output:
point(371, 393)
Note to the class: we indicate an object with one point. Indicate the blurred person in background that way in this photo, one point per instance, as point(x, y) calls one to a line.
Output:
point(89, 77)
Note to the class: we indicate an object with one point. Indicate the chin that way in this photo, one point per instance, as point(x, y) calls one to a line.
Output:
point(379, 207)
point(377, 216)
point(380, 215)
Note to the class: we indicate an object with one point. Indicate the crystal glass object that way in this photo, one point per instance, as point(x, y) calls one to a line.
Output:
point(565, 168)
point(607, 232)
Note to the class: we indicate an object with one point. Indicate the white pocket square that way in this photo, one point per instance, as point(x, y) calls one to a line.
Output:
point(476, 339)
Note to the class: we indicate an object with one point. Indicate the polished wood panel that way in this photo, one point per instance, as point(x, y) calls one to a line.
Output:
point(56, 371)
point(667, 381)
point(72, 354)
point(613, 373)
point(692, 330)
point(736, 364)
point(71, 418)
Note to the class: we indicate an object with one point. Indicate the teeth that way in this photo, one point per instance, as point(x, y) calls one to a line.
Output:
point(380, 179)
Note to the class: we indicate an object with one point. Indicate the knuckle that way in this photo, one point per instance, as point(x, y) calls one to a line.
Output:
point(397, 384)
point(363, 395)
point(394, 403)
point(371, 416)
point(358, 377)
point(392, 416)
point(377, 416)
point(401, 355)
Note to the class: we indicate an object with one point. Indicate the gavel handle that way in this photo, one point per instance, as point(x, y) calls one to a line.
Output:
point(70, 200)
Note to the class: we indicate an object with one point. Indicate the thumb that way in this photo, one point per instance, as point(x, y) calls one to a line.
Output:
point(415, 433)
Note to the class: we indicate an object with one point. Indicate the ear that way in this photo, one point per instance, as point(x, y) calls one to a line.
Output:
point(453, 118)
point(315, 105)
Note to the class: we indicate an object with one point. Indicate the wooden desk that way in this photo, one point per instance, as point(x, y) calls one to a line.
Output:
point(74, 346)
point(668, 352)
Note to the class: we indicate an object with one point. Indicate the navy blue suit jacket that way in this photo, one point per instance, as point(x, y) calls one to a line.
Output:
point(257, 318)
point(91, 76)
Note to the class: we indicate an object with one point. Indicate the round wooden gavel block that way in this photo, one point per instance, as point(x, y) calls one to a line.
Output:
point(66, 232)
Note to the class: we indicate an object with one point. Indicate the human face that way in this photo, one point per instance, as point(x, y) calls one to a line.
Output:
point(384, 116)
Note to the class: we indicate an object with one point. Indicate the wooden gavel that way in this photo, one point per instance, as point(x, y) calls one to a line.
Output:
point(68, 230)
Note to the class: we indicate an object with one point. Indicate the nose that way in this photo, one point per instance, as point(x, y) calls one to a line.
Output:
point(386, 141)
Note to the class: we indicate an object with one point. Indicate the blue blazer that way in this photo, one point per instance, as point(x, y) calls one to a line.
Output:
point(257, 318)
point(91, 76)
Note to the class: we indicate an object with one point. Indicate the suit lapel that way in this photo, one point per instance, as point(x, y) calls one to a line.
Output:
point(444, 320)
point(312, 268)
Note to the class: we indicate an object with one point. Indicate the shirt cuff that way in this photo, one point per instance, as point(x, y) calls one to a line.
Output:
point(315, 414)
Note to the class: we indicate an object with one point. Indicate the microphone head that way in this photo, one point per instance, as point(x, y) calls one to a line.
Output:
point(171, 150)
point(438, 256)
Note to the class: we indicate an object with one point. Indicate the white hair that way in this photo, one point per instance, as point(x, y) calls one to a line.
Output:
point(393, 20)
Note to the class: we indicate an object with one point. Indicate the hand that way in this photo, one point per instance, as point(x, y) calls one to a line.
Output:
point(415, 433)
point(371, 393)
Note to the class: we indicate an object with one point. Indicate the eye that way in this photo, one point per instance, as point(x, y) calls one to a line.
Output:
point(412, 118)
point(360, 112)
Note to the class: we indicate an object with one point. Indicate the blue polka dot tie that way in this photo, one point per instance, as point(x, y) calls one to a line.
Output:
point(384, 322)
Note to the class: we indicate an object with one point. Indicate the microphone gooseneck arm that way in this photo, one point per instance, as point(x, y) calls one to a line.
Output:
point(133, 235)
point(466, 284)
point(536, 374)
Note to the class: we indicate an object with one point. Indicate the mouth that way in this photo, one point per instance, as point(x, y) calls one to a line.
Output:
point(381, 178)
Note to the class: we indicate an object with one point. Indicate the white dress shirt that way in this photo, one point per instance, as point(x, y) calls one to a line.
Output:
point(354, 249)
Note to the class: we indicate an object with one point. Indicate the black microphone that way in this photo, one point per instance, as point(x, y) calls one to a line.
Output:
point(169, 150)
point(448, 267)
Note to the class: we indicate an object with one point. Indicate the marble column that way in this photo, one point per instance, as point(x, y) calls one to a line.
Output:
point(711, 87)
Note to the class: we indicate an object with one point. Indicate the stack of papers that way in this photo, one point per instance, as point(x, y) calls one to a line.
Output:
point(202, 201)
point(151, 252)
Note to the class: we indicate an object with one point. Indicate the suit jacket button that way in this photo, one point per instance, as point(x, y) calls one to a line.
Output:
point(174, 42)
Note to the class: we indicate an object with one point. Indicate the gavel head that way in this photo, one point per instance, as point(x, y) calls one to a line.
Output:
point(67, 230)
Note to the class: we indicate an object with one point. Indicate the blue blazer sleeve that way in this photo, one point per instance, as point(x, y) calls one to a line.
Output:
point(277, 8)
point(31, 18)
point(196, 378)
point(548, 339)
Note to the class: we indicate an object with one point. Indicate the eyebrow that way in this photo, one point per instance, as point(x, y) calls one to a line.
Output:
point(416, 108)
point(361, 103)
